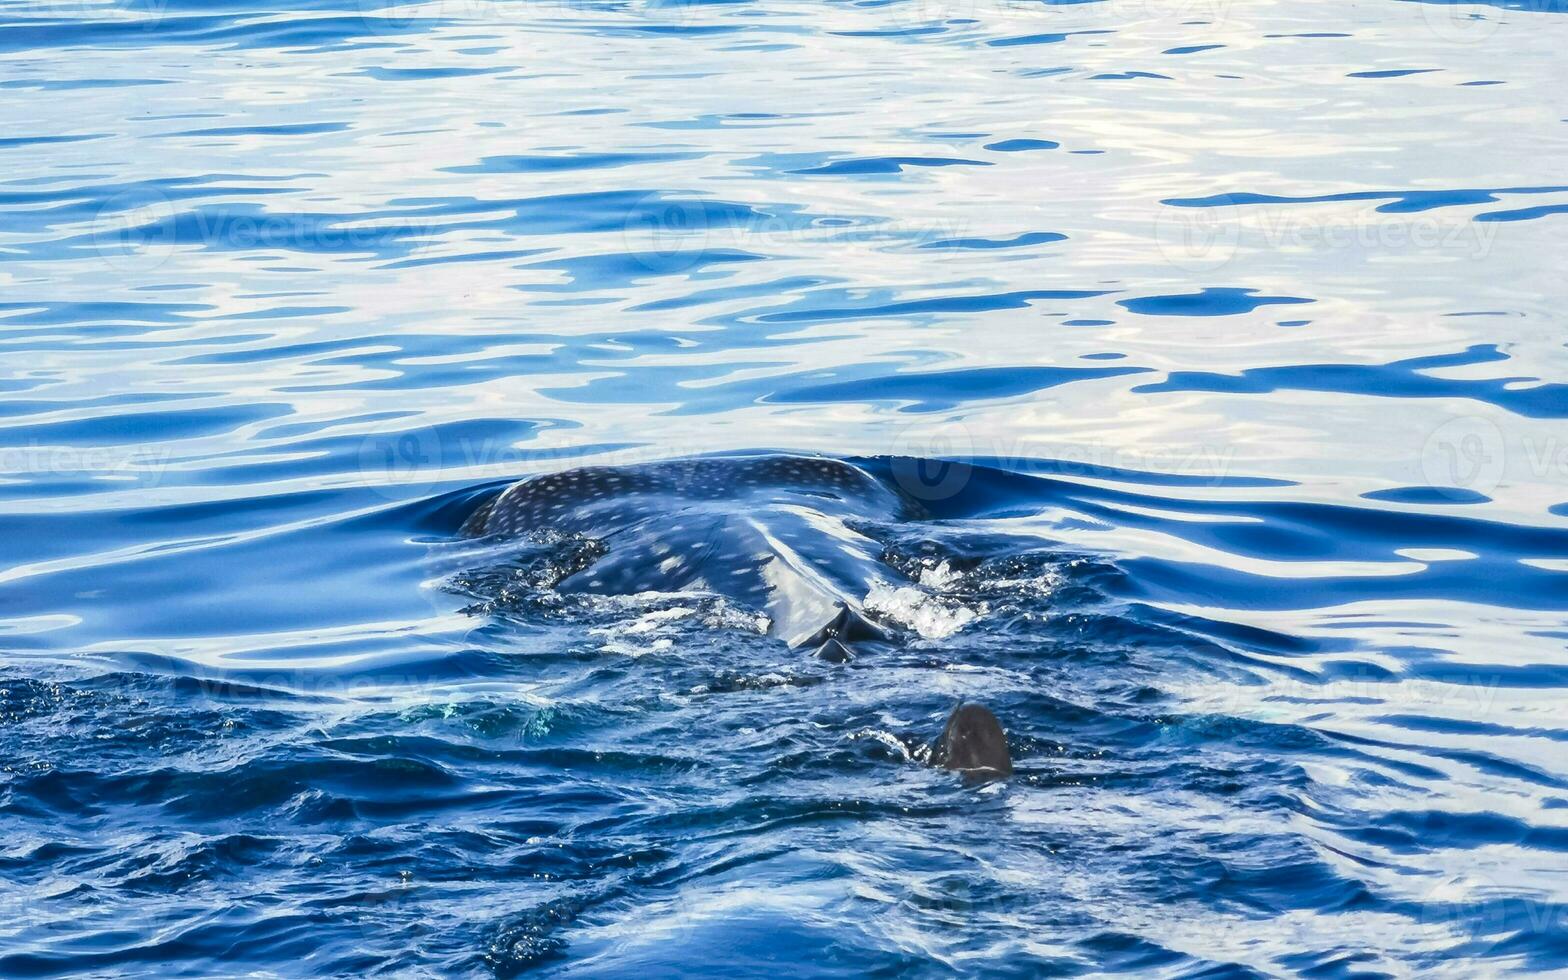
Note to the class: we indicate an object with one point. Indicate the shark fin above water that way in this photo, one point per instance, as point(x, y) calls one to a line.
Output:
point(776, 533)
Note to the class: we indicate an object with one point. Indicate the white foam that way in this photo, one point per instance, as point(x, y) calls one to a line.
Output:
point(656, 625)
point(943, 576)
point(933, 617)
point(886, 738)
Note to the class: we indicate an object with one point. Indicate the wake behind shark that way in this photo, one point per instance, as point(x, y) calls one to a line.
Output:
point(775, 533)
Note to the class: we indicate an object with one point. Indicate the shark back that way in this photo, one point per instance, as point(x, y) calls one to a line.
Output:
point(772, 532)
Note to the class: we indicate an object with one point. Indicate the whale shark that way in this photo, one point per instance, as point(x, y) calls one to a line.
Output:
point(781, 534)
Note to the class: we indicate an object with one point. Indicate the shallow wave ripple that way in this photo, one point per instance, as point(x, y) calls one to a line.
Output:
point(1236, 328)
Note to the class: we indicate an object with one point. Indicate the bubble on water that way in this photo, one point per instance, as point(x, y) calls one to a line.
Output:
point(931, 616)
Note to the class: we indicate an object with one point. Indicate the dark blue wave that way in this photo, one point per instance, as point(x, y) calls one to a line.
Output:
point(1398, 379)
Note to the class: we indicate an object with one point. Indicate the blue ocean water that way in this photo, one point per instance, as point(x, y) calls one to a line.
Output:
point(1224, 340)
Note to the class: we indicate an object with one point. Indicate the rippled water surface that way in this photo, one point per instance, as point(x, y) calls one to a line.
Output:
point(1239, 323)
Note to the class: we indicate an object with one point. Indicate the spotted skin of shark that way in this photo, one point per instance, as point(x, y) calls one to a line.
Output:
point(773, 532)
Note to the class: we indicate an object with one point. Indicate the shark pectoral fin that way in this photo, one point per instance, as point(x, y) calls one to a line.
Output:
point(834, 652)
point(802, 596)
point(974, 744)
point(849, 626)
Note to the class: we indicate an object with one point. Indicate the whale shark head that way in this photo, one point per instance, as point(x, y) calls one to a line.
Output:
point(777, 533)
